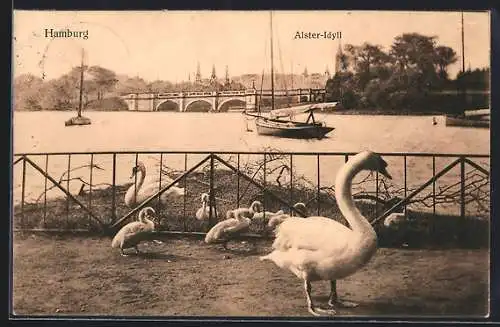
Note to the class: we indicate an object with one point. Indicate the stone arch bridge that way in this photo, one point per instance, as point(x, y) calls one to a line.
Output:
point(217, 101)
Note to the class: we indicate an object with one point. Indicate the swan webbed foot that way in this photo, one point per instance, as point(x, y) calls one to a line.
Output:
point(319, 312)
point(123, 253)
point(342, 304)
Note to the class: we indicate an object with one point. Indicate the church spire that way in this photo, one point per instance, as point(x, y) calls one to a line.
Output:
point(198, 74)
point(227, 81)
point(213, 76)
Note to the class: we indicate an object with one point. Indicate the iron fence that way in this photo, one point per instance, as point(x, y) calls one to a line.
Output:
point(433, 184)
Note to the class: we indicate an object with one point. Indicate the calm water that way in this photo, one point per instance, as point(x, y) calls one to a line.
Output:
point(164, 131)
point(45, 132)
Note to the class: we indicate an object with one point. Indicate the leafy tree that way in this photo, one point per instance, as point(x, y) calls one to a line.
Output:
point(444, 56)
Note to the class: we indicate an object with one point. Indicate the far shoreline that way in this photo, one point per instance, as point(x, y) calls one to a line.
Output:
point(356, 112)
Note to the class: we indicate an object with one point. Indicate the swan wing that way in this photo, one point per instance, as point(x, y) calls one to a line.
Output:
point(312, 234)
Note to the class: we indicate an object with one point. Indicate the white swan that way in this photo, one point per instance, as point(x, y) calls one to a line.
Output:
point(395, 218)
point(278, 219)
point(238, 221)
point(138, 194)
point(203, 213)
point(320, 248)
point(135, 232)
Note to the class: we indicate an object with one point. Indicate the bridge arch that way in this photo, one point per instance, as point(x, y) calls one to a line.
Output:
point(225, 105)
point(168, 105)
point(199, 105)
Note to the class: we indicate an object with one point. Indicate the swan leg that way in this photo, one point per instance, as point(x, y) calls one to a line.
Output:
point(310, 306)
point(137, 250)
point(334, 301)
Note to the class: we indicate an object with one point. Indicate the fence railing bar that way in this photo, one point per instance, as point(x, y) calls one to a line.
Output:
point(260, 186)
point(34, 165)
point(145, 202)
point(45, 190)
point(67, 187)
point(17, 160)
point(415, 192)
point(388, 154)
point(113, 196)
point(475, 165)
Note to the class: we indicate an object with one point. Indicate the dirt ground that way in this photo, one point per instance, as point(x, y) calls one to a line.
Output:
point(82, 275)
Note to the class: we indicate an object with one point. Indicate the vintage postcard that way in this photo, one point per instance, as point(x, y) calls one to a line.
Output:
point(251, 164)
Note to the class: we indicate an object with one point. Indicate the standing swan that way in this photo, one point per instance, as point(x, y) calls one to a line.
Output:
point(238, 221)
point(320, 248)
point(203, 213)
point(136, 195)
point(133, 233)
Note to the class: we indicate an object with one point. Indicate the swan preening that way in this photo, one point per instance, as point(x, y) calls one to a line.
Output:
point(238, 221)
point(320, 248)
point(138, 193)
point(135, 232)
point(278, 219)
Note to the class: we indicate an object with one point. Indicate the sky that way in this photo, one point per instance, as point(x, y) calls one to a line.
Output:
point(168, 45)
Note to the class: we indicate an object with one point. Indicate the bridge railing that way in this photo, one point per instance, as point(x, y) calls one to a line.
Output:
point(88, 190)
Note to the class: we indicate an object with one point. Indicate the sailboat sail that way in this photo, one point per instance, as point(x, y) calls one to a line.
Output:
point(296, 110)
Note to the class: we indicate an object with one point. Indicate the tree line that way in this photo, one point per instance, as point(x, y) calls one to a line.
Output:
point(411, 75)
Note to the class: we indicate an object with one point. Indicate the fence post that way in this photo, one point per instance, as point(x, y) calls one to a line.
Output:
point(23, 188)
point(91, 173)
point(45, 189)
point(238, 183)
point(69, 191)
point(184, 223)
point(462, 187)
point(212, 202)
point(113, 199)
point(319, 184)
point(291, 178)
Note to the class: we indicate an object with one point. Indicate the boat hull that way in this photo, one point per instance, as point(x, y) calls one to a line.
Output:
point(291, 130)
point(78, 120)
point(458, 121)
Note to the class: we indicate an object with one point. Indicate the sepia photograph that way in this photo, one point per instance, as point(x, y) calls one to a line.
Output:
point(255, 164)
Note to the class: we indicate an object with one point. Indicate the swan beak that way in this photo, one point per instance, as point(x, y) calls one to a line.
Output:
point(384, 172)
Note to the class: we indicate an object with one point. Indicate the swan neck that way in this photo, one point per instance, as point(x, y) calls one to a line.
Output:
point(345, 201)
point(141, 179)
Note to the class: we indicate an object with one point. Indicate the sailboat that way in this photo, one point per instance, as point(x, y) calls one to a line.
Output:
point(79, 119)
point(275, 123)
point(473, 117)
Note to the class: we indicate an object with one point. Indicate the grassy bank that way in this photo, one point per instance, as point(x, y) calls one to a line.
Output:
point(420, 230)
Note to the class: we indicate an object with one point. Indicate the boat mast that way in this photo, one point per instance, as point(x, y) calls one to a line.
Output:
point(463, 45)
point(81, 87)
point(464, 87)
point(272, 63)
